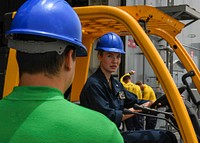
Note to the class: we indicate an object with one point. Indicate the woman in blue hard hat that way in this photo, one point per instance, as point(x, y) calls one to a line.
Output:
point(105, 94)
point(47, 36)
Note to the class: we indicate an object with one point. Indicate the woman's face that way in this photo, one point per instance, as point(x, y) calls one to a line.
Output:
point(109, 61)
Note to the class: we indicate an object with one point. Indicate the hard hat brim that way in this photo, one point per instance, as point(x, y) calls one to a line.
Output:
point(110, 50)
point(81, 50)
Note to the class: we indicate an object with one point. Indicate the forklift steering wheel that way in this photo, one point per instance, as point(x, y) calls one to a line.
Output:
point(162, 101)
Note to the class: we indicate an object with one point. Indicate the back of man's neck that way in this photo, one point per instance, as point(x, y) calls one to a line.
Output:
point(40, 80)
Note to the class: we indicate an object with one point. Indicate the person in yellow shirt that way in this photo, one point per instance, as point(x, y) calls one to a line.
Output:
point(129, 85)
point(148, 94)
point(135, 122)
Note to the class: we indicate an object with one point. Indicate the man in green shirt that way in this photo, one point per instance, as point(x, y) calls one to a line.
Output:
point(47, 36)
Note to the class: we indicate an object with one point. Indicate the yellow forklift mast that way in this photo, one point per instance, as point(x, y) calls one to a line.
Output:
point(124, 20)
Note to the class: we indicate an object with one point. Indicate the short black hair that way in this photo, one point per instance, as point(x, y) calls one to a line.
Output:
point(126, 78)
point(138, 83)
point(48, 63)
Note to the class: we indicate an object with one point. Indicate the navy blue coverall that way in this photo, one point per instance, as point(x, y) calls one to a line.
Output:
point(97, 95)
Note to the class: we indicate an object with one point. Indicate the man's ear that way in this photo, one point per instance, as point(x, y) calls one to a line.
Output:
point(69, 60)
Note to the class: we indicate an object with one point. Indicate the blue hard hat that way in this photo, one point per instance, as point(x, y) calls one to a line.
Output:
point(49, 18)
point(110, 42)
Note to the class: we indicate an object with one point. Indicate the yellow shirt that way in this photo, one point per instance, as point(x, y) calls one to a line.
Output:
point(148, 93)
point(132, 87)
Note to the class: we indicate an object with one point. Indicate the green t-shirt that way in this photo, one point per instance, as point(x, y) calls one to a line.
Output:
point(42, 115)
